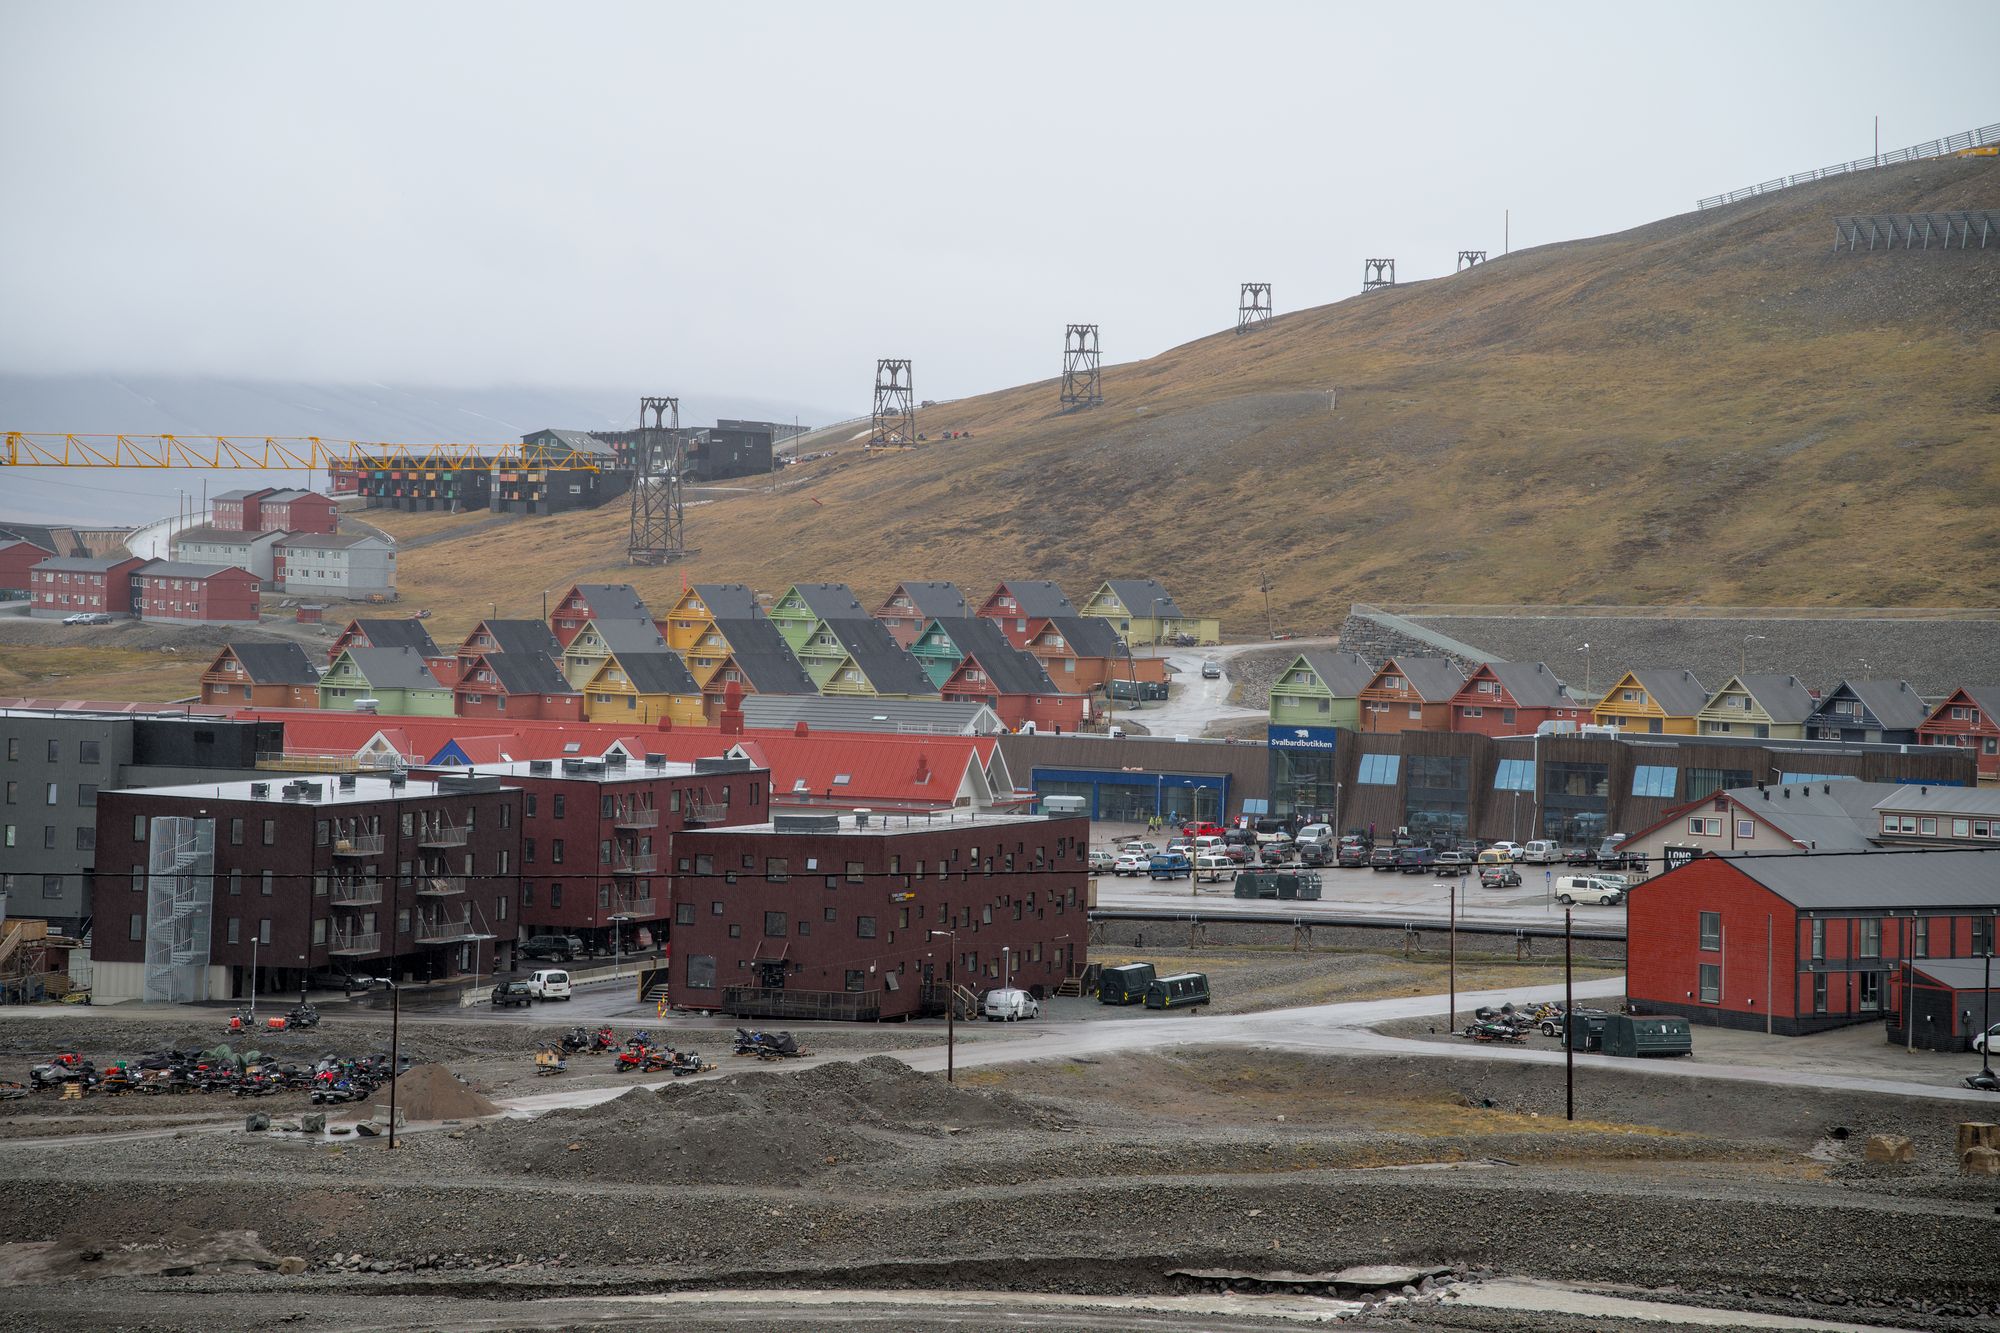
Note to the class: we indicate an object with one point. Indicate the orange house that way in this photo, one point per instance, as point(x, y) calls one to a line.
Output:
point(1081, 653)
point(1411, 694)
point(261, 675)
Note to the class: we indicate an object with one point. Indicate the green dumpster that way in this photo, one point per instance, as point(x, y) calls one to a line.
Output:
point(1630, 1036)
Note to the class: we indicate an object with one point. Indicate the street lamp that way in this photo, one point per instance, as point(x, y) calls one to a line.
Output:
point(1743, 653)
point(1985, 1020)
point(395, 1046)
point(951, 1007)
point(1451, 974)
point(1585, 650)
point(1006, 967)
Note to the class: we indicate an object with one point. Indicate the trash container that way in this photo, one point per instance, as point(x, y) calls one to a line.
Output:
point(1585, 1029)
point(1633, 1037)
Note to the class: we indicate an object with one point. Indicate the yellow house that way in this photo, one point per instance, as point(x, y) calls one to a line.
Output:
point(598, 640)
point(696, 610)
point(643, 688)
point(1660, 703)
point(1143, 611)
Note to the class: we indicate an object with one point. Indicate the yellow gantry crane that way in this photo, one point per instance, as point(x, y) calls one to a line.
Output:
point(275, 453)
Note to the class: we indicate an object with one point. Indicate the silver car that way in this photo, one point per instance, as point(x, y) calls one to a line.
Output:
point(1009, 1005)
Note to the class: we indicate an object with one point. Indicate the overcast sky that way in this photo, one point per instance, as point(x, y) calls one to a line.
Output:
point(761, 199)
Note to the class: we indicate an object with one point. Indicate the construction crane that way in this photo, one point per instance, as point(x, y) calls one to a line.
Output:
point(274, 453)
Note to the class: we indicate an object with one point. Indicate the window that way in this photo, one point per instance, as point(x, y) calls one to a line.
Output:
point(1920, 942)
point(1982, 935)
point(235, 883)
point(1870, 933)
point(89, 752)
point(137, 926)
point(701, 971)
point(684, 914)
point(270, 833)
point(735, 931)
point(1379, 770)
point(1705, 827)
point(854, 874)
point(527, 893)
point(54, 793)
point(55, 753)
point(1871, 992)
point(86, 838)
point(235, 935)
point(1746, 830)
point(555, 894)
point(832, 914)
point(1652, 780)
point(1514, 775)
point(1711, 930)
point(1507, 717)
point(556, 850)
point(264, 931)
point(528, 804)
point(1711, 983)
point(319, 931)
point(556, 805)
point(864, 927)
point(265, 888)
point(1819, 992)
point(1707, 781)
point(774, 925)
point(235, 833)
point(775, 869)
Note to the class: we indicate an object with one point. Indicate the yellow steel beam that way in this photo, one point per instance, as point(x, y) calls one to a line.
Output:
point(272, 453)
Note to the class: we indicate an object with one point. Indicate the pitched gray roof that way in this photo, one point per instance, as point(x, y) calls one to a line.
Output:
point(1895, 705)
point(275, 663)
point(614, 601)
point(1533, 685)
point(768, 664)
point(184, 569)
point(658, 673)
point(1861, 881)
point(832, 712)
point(1139, 595)
point(889, 668)
point(286, 497)
point(1011, 670)
point(213, 536)
point(73, 564)
point(1343, 673)
point(1679, 693)
point(1979, 802)
point(728, 601)
point(831, 601)
point(394, 669)
point(629, 636)
point(242, 494)
point(1088, 636)
point(1785, 698)
point(404, 633)
point(1039, 597)
point(581, 441)
point(517, 636)
point(527, 673)
point(1986, 698)
point(935, 599)
point(1435, 679)
point(334, 541)
point(1824, 816)
point(1959, 973)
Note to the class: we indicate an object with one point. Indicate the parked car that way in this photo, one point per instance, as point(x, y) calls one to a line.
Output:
point(1499, 877)
point(1510, 850)
point(1101, 861)
point(1980, 1040)
point(552, 948)
point(1211, 670)
point(1129, 863)
point(1203, 829)
point(1168, 865)
point(1314, 833)
point(549, 984)
point(1210, 867)
point(1415, 860)
point(1239, 853)
point(1587, 889)
point(1351, 854)
point(513, 993)
point(1278, 853)
point(1382, 858)
point(1454, 858)
point(1542, 852)
point(1009, 1005)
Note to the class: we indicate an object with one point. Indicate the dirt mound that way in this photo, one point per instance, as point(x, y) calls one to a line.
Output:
point(178, 1251)
point(432, 1092)
point(758, 1128)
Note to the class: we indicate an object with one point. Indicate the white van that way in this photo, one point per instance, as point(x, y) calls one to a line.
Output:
point(1541, 852)
point(1315, 835)
point(1210, 867)
point(1588, 889)
point(1206, 843)
point(549, 984)
point(1010, 1005)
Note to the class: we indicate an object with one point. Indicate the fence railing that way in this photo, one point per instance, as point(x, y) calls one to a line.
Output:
point(776, 1002)
point(1957, 143)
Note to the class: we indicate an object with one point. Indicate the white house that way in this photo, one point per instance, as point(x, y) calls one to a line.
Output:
point(337, 566)
point(254, 551)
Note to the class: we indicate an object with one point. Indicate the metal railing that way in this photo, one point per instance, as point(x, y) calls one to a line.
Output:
point(639, 816)
point(358, 893)
point(439, 886)
point(639, 909)
point(358, 844)
point(441, 835)
point(777, 1002)
point(445, 930)
point(638, 863)
point(354, 942)
point(1957, 143)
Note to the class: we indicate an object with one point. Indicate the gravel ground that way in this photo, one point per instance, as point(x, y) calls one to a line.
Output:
point(1935, 656)
point(1253, 674)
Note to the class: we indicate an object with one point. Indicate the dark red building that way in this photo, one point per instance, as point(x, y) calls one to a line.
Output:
point(237, 511)
point(516, 686)
point(296, 511)
point(821, 915)
point(17, 561)
point(65, 585)
point(1513, 699)
point(1803, 942)
point(595, 835)
point(177, 590)
point(585, 602)
point(350, 875)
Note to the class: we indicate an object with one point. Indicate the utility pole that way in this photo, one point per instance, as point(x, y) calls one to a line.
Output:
point(1569, 1011)
point(1264, 582)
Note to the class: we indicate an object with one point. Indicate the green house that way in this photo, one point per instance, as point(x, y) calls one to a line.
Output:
point(938, 650)
point(1321, 688)
point(395, 678)
point(799, 612)
point(871, 663)
point(1758, 706)
point(820, 650)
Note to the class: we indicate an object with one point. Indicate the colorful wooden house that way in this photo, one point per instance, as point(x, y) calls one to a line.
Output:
point(759, 661)
point(645, 688)
point(699, 607)
point(1009, 681)
point(1969, 718)
point(1758, 706)
point(913, 605)
point(1411, 694)
point(1660, 703)
point(804, 607)
point(585, 602)
point(1514, 699)
point(1884, 711)
point(1083, 653)
point(516, 686)
point(872, 663)
point(1019, 603)
point(261, 675)
point(407, 632)
point(1143, 611)
point(507, 636)
point(599, 640)
point(395, 678)
point(1321, 688)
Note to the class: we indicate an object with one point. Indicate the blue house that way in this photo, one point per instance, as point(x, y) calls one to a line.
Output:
point(1885, 711)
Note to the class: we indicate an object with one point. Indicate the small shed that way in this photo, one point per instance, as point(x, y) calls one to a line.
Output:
point(1949, 999)
point(309, 614)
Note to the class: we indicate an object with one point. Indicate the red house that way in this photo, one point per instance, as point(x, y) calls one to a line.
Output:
point(295, 511)
point(1513, 699)
point(585, 602)
point(1797, 944)
point(516, 685)
point(1014, 685)
point(65, 585)
point(1411, 694)
point(237, 511)
point(407, 632)
point(1017, 605)
point(17, 560)
point(212, 594)
point(1970, 720)
point(913, 605)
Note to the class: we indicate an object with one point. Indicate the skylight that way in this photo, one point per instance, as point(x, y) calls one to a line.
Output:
point(842, 779)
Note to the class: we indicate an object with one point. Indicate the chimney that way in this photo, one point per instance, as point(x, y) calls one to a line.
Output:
point(800, 728)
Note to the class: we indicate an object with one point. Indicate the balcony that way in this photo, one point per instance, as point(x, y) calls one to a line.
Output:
point(358, 844)
point(635, 863)
point(638, 909)
point(441, 835)
point(440, 886)
point(355, 893)
point(354, 942)
point(638, 816)
point(448, 929)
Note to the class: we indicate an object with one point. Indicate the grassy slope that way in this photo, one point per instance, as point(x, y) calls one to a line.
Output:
point(99, 673)
point(1711, 408)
